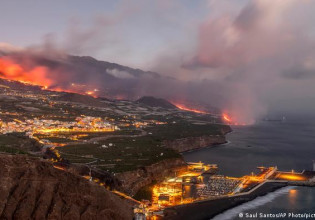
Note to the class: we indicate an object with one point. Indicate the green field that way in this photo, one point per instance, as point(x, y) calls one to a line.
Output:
point(120, 154)
point(184, 129)
point(12, 143)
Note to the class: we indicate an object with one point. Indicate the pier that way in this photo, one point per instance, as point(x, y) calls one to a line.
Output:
point(201, 193)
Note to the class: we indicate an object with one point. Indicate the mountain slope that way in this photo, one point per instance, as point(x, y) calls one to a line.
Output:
point(81, 74)
point(155, 102)
point(32, 189)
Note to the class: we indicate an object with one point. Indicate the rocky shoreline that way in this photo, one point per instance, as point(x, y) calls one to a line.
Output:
point(132, 181)
point(194, 143)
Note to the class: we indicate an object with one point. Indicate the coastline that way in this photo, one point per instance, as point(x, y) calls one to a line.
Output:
point(207, 209)
point(133, 181)
point(195, 143)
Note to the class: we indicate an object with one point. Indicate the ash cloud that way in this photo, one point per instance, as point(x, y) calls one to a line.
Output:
point(256, 51)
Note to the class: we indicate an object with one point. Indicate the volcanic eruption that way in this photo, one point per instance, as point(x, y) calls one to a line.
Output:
point(87, 76)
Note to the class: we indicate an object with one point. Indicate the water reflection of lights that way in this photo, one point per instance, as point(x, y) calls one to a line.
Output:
point(292, 196)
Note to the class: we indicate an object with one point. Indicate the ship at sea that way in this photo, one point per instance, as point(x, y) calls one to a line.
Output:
point(283, 119)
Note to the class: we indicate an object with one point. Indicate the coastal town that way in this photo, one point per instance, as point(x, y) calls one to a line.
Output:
point(200, 183)
point(104, 139)
point(40, 126)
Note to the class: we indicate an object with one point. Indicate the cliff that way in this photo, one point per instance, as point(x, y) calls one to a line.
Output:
point(192, 143)
point(132, 181)
point(33, 189)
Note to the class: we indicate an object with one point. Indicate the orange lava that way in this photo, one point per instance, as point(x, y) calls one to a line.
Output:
point(226, 118)
point(91, 93)
point(231, 121)
point(59, 167)
point(185, 108)
point(35, 76)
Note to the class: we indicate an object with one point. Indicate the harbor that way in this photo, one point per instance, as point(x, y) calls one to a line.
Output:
point(201, 187)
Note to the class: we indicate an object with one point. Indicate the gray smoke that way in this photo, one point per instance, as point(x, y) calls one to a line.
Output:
point(247, 59)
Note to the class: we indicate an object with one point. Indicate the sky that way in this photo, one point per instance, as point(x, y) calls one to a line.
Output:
point(260, 52)
point(121, 31)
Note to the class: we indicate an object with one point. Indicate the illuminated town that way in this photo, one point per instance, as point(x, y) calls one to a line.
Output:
point(200, 182)
point(81, 124)
point(157, 110)
point(97, 138)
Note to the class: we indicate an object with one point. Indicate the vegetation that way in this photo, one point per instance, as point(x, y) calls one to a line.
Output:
point(10, 144)
point(184, 129)
point(119, 154)
point(145, 192)
point(11, 150)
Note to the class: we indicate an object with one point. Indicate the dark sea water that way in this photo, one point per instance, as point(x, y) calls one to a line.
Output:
point(288, 145)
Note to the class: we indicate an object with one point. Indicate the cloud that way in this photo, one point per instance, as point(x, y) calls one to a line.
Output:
point(120, 74)
point(242, 56)
point(260, 30)
point(257, 48)
point(299, 73)
point(6, 47)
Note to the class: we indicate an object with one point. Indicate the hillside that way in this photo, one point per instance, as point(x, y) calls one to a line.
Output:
point(83, 74)
point(155, 102)
point(33, 189)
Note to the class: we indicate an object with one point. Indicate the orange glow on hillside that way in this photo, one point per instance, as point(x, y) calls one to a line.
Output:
point(59, 167)
point(230, 120)
point(226, 117)
point(185, 108)
point(35, 76)
point(89, 92)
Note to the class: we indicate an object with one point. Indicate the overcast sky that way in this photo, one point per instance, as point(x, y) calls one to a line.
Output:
point(121, 31)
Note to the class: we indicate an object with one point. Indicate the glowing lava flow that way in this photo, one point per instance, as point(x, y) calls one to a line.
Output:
point(35, 76)
point(226, 118)
point(231, 121)
point(182, 107)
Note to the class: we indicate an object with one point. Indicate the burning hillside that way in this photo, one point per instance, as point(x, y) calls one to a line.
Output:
point(39, 75)
point(190, 109)
point(35, 76)
point(88, 76)
point(83, 75)
point(228, 119)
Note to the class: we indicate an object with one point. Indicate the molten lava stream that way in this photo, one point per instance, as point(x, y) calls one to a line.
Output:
point(226, 118)
point(185, 108)
point(34, 76)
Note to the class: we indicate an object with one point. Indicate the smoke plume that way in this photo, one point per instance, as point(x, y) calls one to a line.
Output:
point(245, 58)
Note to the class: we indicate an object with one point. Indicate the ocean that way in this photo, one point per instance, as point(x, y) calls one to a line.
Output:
point(287, 145)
